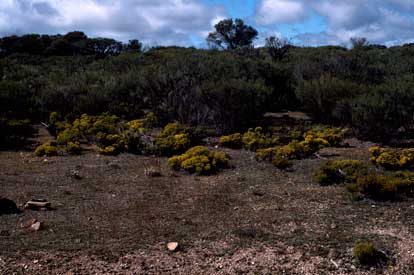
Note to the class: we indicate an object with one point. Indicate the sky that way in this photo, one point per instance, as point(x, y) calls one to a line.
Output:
point(188, 22)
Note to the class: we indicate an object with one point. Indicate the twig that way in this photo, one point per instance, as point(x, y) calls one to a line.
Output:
point(334, 263)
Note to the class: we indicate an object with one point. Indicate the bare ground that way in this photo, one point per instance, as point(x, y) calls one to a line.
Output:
point(252, 219)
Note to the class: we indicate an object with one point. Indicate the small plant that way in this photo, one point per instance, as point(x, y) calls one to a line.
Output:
point(391, 159)
point(375, 186)
point(340, 171)
point(282, 162)
point(232, 141)
point(108, 151)
point(174, 138)
point(255, 139)
point(46, 149)
point(366, 253)
point(267, 153)
point(73, 148)
point(199, 160)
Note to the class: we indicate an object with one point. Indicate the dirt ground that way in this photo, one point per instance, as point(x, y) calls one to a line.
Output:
point(251, 219)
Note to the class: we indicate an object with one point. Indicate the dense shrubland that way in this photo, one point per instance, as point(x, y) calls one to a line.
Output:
point(368, 88)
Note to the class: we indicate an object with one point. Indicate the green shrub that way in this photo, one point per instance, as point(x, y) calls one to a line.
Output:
point(366, 253)
point(375, 186)
point(174, 138)
point(108, 151)
point(267, 153)
point(255, 139)
point(14, 133)
point(392, 159)
point(334, 136)
point(199, 160)
point(340, 171)
point(46, 149)
point(233, 141)
point(282, 162)
point(73, 148)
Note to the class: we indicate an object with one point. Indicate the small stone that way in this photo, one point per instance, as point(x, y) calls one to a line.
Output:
point(173, 246)
point(29, 223)
point(36, 226)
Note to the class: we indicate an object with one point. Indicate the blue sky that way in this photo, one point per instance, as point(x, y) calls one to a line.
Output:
point(188, 22)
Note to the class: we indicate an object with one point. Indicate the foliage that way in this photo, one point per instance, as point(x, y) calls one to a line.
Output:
point(282, 162)
point(375, 186)
point(14, 133)
point(232, 34)
point(392, 159)
point(174, 138)
point(46, 149)
point(233, 141)
point(255, 139)
point(368, 89)
point(199, 160)
point(73, 148)
point(366, 253)
point(340, 171)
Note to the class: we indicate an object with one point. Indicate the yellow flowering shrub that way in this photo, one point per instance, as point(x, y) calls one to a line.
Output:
point(392, 159)
point(233, 141)
point(173, 139)
point(199, 160)
point(255, 139)
point(46, 149)
point(73, 148)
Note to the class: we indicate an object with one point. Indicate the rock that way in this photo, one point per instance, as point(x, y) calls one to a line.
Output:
point(173, 246)
point(8, 207)
point(36, 226)
point(38, 204)
point(29, 223)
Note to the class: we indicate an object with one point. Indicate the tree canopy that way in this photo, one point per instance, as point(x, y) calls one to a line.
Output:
point(231, 34)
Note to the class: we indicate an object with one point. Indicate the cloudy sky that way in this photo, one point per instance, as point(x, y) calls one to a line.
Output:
point(187, 22)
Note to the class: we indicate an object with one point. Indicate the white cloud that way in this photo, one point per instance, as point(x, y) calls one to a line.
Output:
point(280, 11)
point(152, 21)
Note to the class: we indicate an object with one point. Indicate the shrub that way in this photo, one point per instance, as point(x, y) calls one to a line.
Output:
point(375, 186)
point(173, 139)
point(319, 96)
point(14, 132)
point(407, 158)
point(232, 141)
point(392, 159)
point(199, 160)
point(267, 153)
point(68, 135)
point(46, 149)
point(334, 136)
point(108, 151)
point(340, 171)
point(282, 162)
point(73, 148)
point(366, 253)
point(255, 139)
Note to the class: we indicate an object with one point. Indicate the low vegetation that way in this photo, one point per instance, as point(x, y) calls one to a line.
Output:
point(392, 159)
point(340, 171)
point(199, 160)
point(46, 149)
point(367, 254)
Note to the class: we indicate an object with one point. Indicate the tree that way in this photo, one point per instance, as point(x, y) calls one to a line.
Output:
point(277, 47)
point(133, 45)
point(359, 42)
point(232, 35)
